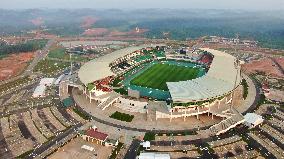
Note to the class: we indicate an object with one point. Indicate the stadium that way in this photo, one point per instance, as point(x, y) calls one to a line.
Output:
point(200, 82)
point(156, 75)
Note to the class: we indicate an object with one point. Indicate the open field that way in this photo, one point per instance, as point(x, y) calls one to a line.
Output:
point(47, 66)
point(59, 53)
point(13, 64)
point(266, 66)
point(157, 76)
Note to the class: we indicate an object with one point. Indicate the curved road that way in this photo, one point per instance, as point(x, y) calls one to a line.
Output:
point(250, 109)
point(253, 106)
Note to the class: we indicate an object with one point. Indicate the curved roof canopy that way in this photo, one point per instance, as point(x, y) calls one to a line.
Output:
point(219, 80)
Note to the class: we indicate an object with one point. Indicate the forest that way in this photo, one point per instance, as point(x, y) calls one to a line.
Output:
point(29, 46)
point(263, 26)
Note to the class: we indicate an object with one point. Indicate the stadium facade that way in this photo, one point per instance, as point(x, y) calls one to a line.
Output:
point(208, 94)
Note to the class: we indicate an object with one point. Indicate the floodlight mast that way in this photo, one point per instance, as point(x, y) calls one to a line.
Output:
point(71, 64)
point(71, 67)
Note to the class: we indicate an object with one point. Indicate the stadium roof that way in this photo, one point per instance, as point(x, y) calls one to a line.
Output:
point(99, 68)
point(218, 81)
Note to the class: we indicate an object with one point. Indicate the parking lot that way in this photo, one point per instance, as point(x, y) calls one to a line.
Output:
point(73, 150)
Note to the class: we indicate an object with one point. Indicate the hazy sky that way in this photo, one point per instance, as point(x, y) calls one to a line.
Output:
point(126, 4)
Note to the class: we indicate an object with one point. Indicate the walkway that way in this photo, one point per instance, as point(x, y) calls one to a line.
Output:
point(249, 104)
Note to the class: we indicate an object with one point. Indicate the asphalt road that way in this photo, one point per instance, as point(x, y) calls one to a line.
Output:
point(256, 99)
point(54, 141)
point(5, 152)
point(131, 152)
point(40, 54)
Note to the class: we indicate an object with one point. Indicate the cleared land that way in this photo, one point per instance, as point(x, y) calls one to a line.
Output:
point(157, 76)
point(13, 64)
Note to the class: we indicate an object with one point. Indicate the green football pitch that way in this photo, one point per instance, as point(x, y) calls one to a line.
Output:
point(157, 76)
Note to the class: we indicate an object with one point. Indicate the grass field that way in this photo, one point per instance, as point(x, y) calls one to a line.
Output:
point(49, 67)
point(59, 53)
point(157, 76)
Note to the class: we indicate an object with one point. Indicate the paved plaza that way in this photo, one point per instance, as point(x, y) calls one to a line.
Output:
point(140, 120)
point(73, 150)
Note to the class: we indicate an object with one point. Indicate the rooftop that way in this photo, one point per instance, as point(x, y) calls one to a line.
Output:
point(98, 68)
point(253, 118)
point(96, 134)
point(67, 102)
point(154, 156)
point(217, 82)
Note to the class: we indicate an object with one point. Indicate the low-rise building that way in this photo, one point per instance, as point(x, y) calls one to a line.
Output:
point(146, 145)
point(93, 135)
point(148, 155)
point(252, 120)
point(39, 91)
point(46, 81)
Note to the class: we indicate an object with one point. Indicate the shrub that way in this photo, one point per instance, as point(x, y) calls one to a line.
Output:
point(149, 136)
point(81, 114)
point(116, 150)
point(245, 88)
point(122, 116)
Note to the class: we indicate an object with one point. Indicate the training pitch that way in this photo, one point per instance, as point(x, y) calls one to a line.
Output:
point(157, 76)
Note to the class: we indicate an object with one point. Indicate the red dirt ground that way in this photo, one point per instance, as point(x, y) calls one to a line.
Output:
point(280, 61)
point(38, 21)
point(88, 22)
point(14, 64)
point(264, 65)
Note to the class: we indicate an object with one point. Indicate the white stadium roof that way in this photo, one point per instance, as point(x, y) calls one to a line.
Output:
point(218, 81)
point(99, 68)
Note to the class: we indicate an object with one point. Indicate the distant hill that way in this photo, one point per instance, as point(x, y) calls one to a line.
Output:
point(266, 27)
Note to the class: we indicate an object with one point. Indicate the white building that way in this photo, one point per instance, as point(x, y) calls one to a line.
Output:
point(46, 81)
point(146, 145)
point(39, 91)
point(252, 120)
point(149, 155)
